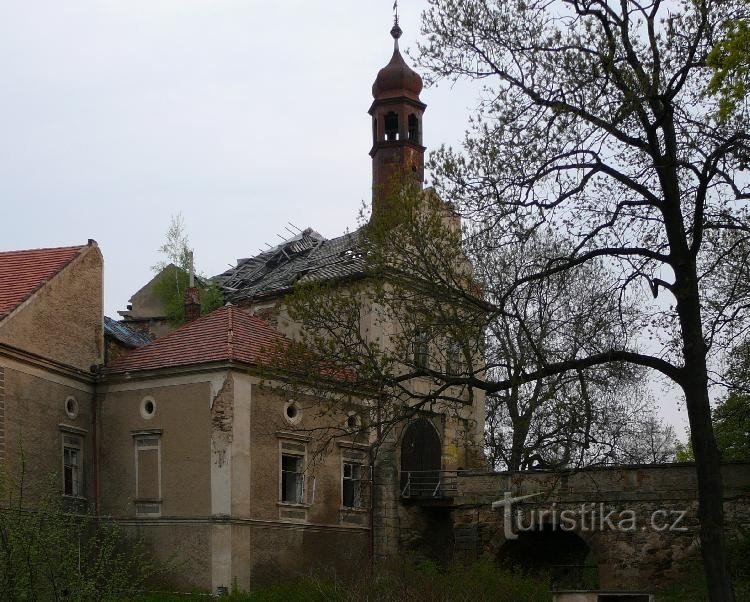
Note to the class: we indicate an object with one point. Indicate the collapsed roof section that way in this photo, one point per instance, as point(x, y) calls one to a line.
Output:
point(306, 257)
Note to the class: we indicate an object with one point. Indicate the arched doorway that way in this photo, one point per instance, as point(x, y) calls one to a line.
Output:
point(421, 454)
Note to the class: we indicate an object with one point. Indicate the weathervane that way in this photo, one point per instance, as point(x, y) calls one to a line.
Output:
point(395, 12)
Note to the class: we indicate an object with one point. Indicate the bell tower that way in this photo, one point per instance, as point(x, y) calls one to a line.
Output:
point(397, 152)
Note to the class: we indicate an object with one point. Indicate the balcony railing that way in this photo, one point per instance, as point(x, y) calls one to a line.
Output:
point(429, 484)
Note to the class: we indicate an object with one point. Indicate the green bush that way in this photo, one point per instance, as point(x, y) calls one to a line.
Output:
point(53, 551)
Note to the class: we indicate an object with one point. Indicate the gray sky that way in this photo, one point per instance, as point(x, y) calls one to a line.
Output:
point(239, 114)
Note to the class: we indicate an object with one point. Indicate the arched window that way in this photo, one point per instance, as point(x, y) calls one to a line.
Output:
point(414, 129)
point(391, 126)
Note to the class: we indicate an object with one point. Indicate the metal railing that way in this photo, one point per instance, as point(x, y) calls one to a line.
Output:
point(429, 484)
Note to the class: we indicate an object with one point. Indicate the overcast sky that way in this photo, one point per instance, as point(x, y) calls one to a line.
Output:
point(241, 115)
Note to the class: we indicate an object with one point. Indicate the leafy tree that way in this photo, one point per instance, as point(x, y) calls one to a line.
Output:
point(732, 427)
point(174, 275)
point(51, 551)
point(594, 123)
point(730, 60)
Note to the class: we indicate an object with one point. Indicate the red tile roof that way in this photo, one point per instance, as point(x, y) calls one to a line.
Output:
point(227, 333)
point(22, 273)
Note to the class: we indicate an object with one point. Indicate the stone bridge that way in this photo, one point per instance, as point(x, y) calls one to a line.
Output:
point(625, 527)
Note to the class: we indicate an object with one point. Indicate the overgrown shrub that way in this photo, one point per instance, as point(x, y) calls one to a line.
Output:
point(52, 550)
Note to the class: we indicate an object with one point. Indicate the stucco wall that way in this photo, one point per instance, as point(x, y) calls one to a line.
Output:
point(63, 320)
point(182, 416)
point(34, 419)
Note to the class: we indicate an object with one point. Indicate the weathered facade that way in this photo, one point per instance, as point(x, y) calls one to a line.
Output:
point(50, 337)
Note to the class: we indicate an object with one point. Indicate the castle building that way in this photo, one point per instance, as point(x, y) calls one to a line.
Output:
point(183, 439)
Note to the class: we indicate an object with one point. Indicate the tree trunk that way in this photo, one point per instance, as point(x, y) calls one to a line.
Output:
point(710, 486)
point(694, 377)
point(707, 457)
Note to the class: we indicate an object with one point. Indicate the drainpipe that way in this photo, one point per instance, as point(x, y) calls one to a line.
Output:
point(94, 440)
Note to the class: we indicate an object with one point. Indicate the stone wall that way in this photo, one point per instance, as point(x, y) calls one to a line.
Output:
point(623, 515)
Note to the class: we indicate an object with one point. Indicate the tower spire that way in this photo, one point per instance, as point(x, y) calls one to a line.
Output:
point(397, 152)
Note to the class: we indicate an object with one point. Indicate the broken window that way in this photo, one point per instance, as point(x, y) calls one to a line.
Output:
point(453, 364)
point(414, 128)
point(391, 126)
point(420, 349)
point(292, 478)
point(351, 486)
point(72, 465)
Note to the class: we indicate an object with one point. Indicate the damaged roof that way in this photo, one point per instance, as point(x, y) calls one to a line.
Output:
point(226, 334)
point(305, 257)
point(124, 334)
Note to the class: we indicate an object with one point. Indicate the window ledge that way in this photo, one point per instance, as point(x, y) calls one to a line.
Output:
point(77, 498)
point(148, 500)
point(293, 435)
point(293, 505)
point(352, 509)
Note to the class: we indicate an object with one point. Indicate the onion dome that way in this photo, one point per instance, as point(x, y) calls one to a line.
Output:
point(397, 79)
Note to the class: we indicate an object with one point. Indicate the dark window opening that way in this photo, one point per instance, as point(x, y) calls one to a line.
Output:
point(291, 479)
point(420, 348)
point(453, 364)
point(374, 129)
point(414, 128)
point(391, 126)
point(352, 485)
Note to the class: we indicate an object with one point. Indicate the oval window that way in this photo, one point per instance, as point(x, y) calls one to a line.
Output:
point(148, 408)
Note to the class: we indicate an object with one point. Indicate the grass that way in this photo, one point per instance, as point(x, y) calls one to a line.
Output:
point(408, 581)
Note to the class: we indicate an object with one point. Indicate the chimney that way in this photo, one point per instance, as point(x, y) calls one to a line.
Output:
point(192, 295)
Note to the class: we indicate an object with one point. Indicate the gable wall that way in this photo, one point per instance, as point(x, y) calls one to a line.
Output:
point(63, 320)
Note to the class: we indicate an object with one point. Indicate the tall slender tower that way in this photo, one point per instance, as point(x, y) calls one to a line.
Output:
point(397, 152)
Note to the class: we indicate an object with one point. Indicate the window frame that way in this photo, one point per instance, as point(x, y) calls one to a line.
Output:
point(301, 456)
point(79, 448)
point(421, 349)
point(140, 501)
point(454, 361)
point(357, 487)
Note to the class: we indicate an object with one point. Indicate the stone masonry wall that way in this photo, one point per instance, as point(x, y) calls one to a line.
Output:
point(624, 516)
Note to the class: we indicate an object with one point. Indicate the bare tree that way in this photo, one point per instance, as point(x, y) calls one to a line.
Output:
point(595, 122)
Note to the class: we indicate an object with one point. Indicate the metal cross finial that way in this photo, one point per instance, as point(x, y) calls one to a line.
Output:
point(395, 30)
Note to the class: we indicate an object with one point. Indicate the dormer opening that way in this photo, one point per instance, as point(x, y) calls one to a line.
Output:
point(391, 126)
point(414, 129)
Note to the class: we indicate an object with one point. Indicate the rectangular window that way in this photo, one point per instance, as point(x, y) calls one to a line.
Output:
point(420, 346)
point(72, 465)
point(292, 478)
point(148, 467)
point(351, 486)
point(453, 364)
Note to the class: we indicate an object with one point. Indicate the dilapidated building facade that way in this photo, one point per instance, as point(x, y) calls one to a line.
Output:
point(179, 435)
